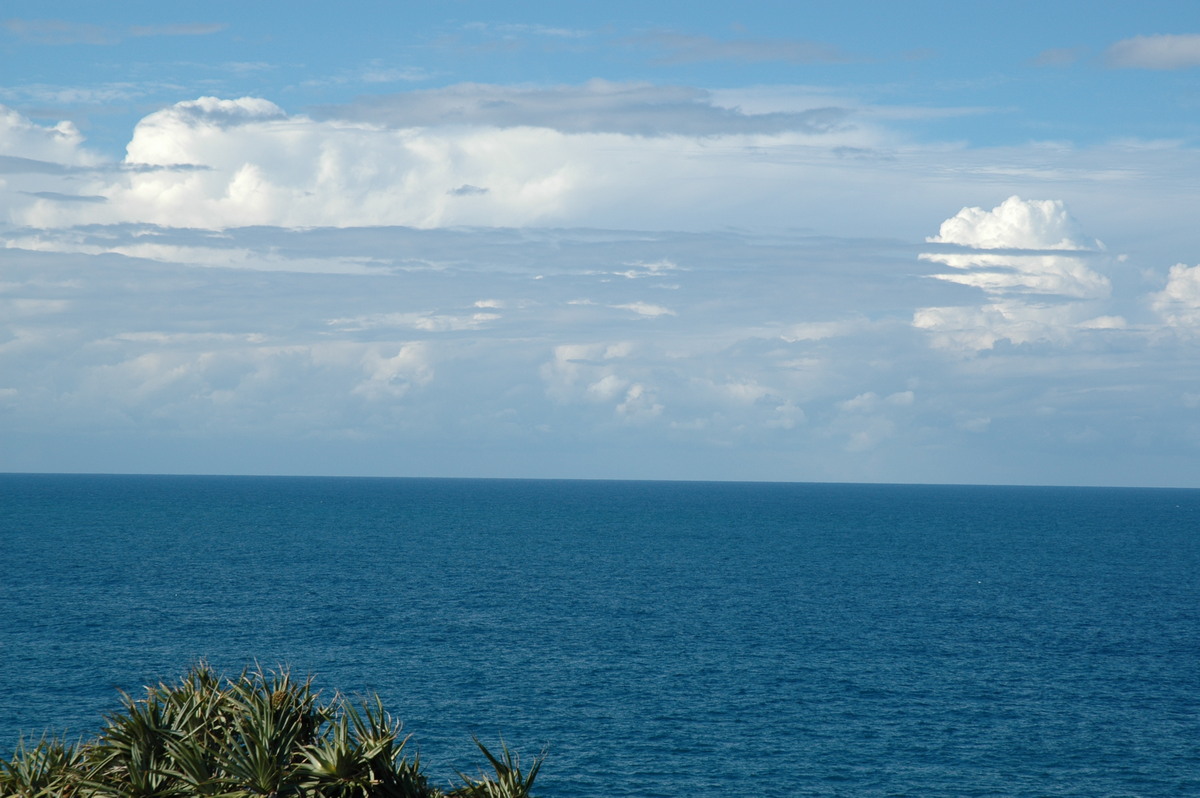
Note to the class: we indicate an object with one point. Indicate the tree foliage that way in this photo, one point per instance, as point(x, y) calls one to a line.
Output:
point(263, 734)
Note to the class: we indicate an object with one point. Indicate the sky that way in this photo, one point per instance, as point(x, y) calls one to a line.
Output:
point(796, 241)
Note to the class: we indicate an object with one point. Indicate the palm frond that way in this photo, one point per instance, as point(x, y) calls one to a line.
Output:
point(53, 767)
point(263, 733)
point(508, 781)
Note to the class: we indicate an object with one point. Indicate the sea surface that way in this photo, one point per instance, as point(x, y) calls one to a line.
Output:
point(656, 638)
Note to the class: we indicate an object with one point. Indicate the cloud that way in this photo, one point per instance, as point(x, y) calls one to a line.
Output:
point(215, 163)
point(376, 71)
point(23, 142)
point(62, 32)
point(1000, 247)
point(57, 197)
point(1029, 257)
point(1179, 302)
point(646, 309)
point(179, 29)
point(1014, 224)
point(1167, 51)
point(1058, 57)
point(979, 328)
point(639, 270)
point(639, 404)
point(426, 321)
point(13, 165)
point(518, 29)
point(99, 94)
point(797, 353)
point(598, 106)
point(219, 162)
point(681, 48)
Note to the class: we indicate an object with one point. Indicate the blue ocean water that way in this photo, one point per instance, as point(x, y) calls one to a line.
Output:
point(660, 639)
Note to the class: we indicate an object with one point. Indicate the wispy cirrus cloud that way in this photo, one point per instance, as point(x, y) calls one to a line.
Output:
point(681, 48)
point(511, 29)
point(597, 106)
point(1165, 51)
point(59, 32)
point(1058, 57)
point(100, 94)
point(64, 32)
point(375, 71)
point(179, 29)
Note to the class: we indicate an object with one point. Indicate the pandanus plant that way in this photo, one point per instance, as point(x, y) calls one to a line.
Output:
point(263, 734)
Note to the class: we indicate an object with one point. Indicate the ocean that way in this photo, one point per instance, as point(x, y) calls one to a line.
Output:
point(656, 638)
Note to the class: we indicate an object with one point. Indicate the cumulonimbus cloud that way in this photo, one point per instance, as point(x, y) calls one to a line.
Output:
point(215, 163)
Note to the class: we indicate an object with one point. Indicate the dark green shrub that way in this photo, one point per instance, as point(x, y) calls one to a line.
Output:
point(261, 734)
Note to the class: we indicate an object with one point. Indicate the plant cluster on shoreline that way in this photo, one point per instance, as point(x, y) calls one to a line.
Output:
point(261, 734)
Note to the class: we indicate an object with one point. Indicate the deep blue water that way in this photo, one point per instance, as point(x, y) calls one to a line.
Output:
point(661, 639)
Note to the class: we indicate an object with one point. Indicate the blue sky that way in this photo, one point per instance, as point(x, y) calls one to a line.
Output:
point(788, 241)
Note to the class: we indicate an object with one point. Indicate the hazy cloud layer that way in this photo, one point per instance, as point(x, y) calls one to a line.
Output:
point(399, 349)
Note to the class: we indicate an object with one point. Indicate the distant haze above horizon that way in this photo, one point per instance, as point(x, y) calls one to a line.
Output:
point(880, 242)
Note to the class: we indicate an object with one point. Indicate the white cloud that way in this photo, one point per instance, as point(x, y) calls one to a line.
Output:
point(639, 405)
point(1179, 302)
point(262, 167)
point(586, 371)
point(215, 163)
point(655, 269)
point(1011, 254)
point(393, 375)
point(1030, 274)
point(982, 327)
point(1167, 51)
point(871, 402)
point(607, 387)
point(1013, 224)
point(250, 162)
point(58, 145)
point(646, 309)
point(426, 321)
